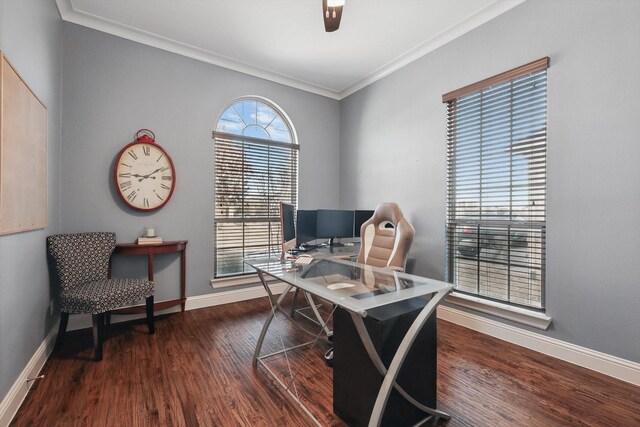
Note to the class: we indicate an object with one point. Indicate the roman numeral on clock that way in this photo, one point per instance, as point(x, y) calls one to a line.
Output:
point(124, 175)
point(145, 202)
point(132, 154)
point(161, 199)
point(124, 185)
point(166, 187)
point(146, 150)
point(132, 196)
point(167, 178)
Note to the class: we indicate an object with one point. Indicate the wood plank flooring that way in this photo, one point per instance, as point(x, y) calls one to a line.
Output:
point(196, 371)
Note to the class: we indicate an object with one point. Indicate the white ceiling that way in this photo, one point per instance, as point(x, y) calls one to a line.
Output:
point(284, 40)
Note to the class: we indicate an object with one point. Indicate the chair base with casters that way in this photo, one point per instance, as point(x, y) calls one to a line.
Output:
point(82, 265)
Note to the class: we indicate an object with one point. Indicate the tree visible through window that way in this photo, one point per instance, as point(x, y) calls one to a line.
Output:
point(256, 168)
point(496, 186)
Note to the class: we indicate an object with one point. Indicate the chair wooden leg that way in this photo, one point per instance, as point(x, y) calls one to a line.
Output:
point(150, 321)
point(62, 328)
point(98, 326)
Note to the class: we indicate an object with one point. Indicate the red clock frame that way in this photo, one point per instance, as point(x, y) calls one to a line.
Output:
point(144, 139)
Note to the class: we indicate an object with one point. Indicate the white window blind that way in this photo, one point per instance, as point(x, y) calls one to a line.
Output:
point(496, 186)
point(256, 167)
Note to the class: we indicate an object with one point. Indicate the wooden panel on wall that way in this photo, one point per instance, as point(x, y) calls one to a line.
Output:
point(23, 154)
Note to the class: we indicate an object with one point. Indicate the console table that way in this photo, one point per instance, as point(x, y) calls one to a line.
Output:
point(150, 251)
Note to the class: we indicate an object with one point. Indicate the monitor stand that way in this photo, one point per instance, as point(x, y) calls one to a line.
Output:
point(336, 244)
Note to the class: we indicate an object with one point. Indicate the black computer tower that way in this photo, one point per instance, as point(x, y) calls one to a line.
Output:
point(356, 381)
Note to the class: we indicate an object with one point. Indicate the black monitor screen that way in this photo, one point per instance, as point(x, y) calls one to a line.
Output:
point(306, 226)
point(360, 218)
point(288, 225)
point(334, 223)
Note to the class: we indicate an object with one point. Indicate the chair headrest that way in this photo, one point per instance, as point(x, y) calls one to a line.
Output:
point(388, 212)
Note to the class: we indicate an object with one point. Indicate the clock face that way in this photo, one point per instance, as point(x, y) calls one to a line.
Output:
point(144, 176)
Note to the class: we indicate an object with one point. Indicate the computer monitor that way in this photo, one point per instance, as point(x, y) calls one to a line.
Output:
point(306, 226)
point(360, 218)
point(288, 226)
point(334, 223)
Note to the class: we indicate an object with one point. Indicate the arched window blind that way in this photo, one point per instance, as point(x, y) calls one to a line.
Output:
point(496, 186)
point(256, 168)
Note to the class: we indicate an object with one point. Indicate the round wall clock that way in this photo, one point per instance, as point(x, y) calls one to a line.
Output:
point(144, 173)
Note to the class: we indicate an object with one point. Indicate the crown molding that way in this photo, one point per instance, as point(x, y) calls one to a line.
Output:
point(70, 14)
point(492, 10)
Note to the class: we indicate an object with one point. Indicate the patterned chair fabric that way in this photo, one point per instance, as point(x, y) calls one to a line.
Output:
point(82, 264)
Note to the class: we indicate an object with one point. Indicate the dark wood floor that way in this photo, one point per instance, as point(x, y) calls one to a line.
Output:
point(196, 371)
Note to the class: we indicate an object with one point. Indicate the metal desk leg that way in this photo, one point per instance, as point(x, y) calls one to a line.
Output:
point(321, 322)
point(275, 305)
point(293, 304)
point(391, 374)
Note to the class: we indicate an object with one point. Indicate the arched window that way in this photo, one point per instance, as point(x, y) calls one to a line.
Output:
point(256, 168)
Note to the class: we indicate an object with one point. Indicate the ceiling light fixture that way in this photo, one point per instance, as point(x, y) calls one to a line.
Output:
point(332, 11)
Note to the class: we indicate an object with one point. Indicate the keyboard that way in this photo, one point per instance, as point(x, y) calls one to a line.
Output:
point(303, 260)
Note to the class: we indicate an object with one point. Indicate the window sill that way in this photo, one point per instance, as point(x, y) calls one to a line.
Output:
point(228, 282)
point(520, 315)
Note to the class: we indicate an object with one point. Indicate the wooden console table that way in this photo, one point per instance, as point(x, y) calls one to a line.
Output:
point(150, 251)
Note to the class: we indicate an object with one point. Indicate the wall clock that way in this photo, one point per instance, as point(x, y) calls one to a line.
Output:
point(144, 173)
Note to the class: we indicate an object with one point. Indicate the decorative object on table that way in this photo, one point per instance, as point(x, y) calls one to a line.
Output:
point(144, 173)
point(142, 240)
point(149, 237)
point(82, 264)
point(23, 152)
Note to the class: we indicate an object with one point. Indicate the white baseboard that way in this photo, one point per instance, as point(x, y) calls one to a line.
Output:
point(616, 367)
point(14, 398)
point(234, 295)
point(82, 321)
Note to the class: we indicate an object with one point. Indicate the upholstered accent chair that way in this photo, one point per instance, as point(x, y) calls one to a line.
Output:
point(81, 263)
point(386, 238)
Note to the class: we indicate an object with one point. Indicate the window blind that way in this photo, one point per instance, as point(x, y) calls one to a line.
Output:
point(252, 177)
point(496, 186)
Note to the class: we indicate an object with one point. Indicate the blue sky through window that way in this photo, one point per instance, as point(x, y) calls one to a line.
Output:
point(255, 119)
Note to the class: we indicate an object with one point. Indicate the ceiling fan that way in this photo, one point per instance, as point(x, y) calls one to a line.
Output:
point(332, 12)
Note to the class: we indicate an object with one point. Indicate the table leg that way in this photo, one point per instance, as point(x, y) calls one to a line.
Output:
point(183, 278)
point(321, 322)
point(150, 267)
point(275, 305)
point(391, 374)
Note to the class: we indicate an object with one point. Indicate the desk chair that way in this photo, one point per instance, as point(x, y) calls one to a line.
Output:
point(82, 265)
point(386, 238)
point(385, 242)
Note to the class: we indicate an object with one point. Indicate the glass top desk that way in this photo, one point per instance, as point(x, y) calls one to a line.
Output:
point(357, 288)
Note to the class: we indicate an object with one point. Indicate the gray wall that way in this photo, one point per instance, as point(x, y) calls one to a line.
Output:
point(113, 87)
point(31, 38)
point(393, 148)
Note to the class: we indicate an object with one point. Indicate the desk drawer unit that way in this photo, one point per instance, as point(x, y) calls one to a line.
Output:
point(356, 381)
